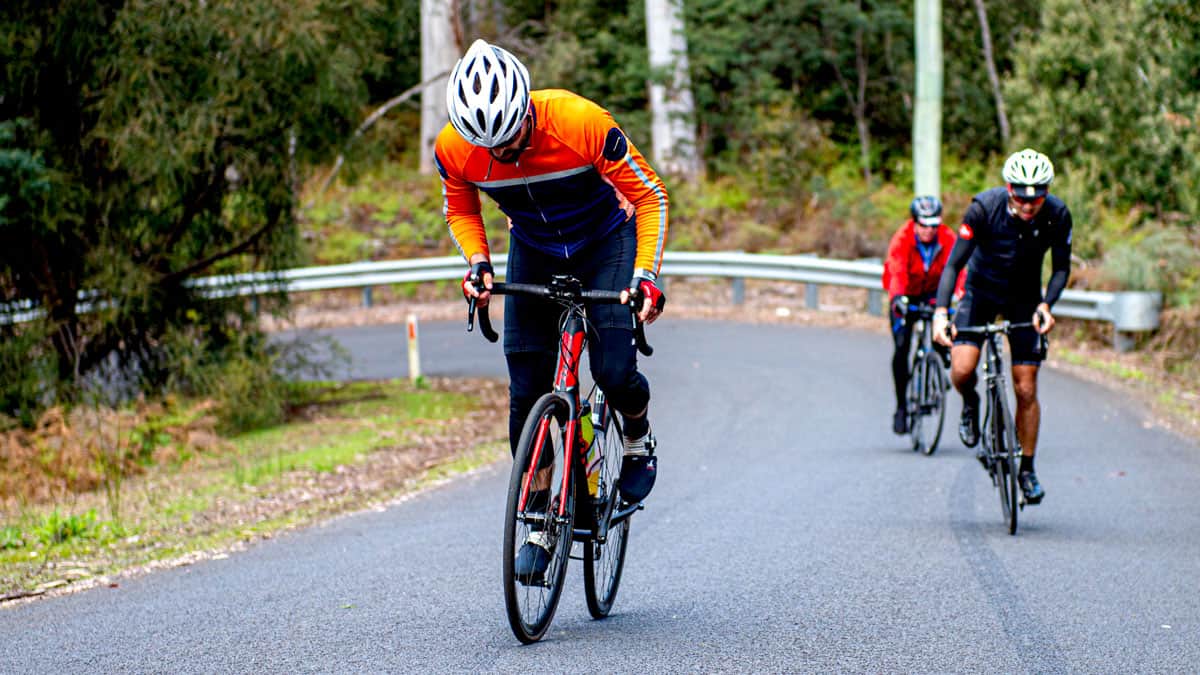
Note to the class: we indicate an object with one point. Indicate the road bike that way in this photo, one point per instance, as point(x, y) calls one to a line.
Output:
point(563, 485)
point(927, 383)
point(1001, 453)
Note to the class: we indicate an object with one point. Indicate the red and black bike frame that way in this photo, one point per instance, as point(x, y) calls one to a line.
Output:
point(572, 342)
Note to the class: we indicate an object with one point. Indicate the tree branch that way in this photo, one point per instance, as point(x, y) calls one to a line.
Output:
point(240, 247)
point(993, 76)
point(367, 124)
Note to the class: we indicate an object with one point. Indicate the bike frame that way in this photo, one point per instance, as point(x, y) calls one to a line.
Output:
point(566, 383)
point(572, 341)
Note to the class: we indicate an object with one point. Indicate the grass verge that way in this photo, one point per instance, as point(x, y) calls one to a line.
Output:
point(350, 446)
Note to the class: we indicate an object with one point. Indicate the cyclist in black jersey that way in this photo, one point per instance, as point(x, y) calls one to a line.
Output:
point(1003, 240)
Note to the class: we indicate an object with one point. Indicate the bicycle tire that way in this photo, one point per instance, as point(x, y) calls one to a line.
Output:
point(933, 403)
point(530, 607)
point(1012, 451)
point(1002, 464)
point(603, 562)
point(912, 401)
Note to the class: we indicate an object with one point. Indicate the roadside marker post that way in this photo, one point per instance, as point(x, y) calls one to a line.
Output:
point(414, 349)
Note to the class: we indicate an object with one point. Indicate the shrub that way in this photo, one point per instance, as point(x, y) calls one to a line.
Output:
point(1164, 260)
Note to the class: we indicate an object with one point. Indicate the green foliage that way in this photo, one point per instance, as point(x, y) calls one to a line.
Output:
point(607, 62)
point(58, 529)
point(253, 381)
point(170, 136)
point(1162, 260)
point(11, 538)
point(387, 211)
point(1102, 100)
point(26, 373)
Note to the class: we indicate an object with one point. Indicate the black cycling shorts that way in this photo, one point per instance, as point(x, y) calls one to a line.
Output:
point(1027, 347)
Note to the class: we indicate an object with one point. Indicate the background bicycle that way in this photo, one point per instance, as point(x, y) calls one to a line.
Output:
point(928, 383)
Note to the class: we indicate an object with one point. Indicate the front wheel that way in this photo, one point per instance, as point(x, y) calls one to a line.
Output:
point(532, 517)
point(1008, 454)
point(1003, 452)
point(933, 402)
point(603, 561)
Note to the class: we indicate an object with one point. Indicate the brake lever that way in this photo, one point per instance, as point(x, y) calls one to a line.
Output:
point(639, 326)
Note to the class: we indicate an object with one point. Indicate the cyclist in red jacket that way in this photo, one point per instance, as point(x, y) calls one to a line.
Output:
point(915, 260)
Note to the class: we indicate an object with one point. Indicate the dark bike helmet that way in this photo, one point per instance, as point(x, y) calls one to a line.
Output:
point(926, 210)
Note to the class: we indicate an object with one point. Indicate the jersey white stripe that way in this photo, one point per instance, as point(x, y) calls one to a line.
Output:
point(509, 182)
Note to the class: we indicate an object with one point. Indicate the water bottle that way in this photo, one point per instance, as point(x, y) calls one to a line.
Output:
point(592, 456)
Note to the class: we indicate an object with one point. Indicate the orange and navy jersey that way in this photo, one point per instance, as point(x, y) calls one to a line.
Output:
point(564, 191)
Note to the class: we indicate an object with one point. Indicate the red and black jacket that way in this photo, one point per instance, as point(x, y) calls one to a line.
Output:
point(905, 271)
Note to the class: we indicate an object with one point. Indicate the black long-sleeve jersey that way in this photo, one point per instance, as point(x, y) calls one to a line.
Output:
point(1004, 254)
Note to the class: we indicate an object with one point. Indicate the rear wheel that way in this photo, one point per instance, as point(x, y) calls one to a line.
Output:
point(603, 561)
point(531, 600)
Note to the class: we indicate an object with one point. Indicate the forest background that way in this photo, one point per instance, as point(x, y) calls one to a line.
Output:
point(144, 143)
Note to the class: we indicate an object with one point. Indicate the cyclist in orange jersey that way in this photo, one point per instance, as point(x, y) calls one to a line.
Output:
point(559, 167)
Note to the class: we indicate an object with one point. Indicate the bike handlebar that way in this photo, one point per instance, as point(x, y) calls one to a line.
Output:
point(564, 293)
point(996, 327)
point(925, 310)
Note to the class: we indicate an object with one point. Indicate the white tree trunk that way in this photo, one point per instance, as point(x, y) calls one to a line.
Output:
point(438, 55)
point(673, 116)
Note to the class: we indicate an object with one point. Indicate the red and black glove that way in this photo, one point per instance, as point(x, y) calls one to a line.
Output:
point(642, 287)
point(474, 277)
point(899, 306)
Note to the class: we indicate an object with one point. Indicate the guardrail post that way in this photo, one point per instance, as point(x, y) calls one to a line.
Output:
point(812, 296)
point(366, 296)
point(1123, 342)
point(875, 302)
point(1134, 311)
point(738, 286)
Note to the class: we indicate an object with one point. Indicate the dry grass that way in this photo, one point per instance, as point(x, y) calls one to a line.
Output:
point(354, 446)
point(79, 450)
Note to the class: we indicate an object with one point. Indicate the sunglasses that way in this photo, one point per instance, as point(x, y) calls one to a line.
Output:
point(1029, 200)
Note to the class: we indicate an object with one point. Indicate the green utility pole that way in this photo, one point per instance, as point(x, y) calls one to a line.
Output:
point(927, 114)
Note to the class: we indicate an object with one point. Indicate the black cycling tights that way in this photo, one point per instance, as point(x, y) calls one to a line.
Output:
point(613, 361)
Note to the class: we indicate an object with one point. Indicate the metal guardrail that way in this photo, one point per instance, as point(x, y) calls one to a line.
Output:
point(1128, 312)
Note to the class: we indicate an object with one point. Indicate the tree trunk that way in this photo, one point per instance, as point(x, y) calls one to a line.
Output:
point(673, 120)
point(860, 105)
point(990, 61)
point(439, 51)
point(857, 96)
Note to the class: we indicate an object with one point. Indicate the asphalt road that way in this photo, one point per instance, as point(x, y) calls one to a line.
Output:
point(789, 531)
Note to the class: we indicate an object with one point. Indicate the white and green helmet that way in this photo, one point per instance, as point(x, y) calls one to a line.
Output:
point(487, 96)
point(1028, 173)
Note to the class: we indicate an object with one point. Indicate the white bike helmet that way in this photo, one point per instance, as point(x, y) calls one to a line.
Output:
point(488, 95)
point(1029, 173)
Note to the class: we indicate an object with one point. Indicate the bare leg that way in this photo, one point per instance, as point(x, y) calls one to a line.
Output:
point(963, 359)
point(1029, 411)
